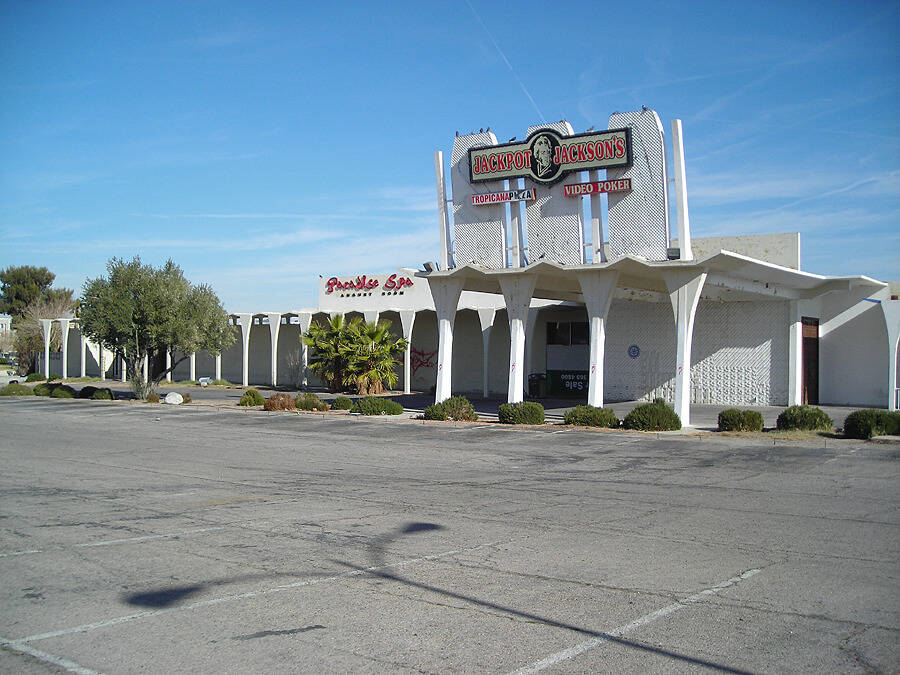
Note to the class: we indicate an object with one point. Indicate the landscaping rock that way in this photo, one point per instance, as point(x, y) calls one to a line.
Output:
point(174, 398)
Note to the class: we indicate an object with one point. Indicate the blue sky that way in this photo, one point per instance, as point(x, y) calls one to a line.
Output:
point(262, 144)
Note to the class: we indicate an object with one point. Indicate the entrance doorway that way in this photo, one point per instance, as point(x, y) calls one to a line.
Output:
point(810, 387)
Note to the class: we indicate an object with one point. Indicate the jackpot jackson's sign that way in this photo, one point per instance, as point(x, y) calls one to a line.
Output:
point(596, 187)
point(546, 155)
point(490, 198)
point(363, 283)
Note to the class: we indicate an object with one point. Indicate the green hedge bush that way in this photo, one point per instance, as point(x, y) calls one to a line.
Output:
point(868, 423)
point(342, 403)
point(34, 377)
point(804, 418)
point(591, 416)
point(279, 402)
point(457, 408)
point(105, 394)
point(62, 391)
point(734, 419)
point(525, 412)
point(16, 389)
point(310, 401)
point(375, 405)
point(251, 397)
point(221, 383)
point(87, 392)
point(43, 389)
point(656, 416)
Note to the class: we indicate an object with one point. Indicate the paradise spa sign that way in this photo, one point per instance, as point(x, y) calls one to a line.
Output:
point(546, 156)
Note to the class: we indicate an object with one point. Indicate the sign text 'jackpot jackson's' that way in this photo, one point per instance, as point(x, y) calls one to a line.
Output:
point(546, 155)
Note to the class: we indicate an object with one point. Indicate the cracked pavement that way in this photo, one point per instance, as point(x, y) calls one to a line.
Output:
point(137, 538)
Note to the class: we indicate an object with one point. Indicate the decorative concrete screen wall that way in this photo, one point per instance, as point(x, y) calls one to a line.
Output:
point(479, 232)
point(554, 221)
point(639, 220)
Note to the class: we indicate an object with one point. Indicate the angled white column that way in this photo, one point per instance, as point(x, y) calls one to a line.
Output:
point(168, 365)
point(795, 355)
point(46, 325)
point(145, 367)
point(274, 328)
point(597, 286)
point(305, 319)
point(218, 366)
point(486, 319)
point(445, 292)
point(684, 221)
point(517, 290)
point(124, 369)
point(891, 309)
point(83, 369)
point(100, 361)
point(245, 321)
point(371, 316)
point(64, 331)
point(192, 359)
point(597, 255)
point(684, 288)
point(407, 319)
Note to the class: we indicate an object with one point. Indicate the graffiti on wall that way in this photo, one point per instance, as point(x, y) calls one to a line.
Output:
point(419, 359)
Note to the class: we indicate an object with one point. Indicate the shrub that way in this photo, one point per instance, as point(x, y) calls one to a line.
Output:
point(251, 397)
point(105, 394)
point(87, 392)
point(220, 383)
point(62, 391)
point(733, 419)
point(152, 397)
point(868, 423)
point(804, 418)
point(279, 402)
point(43, 389)
point(454, 408)
point(656, 416)
point(342, 403)
point(374, 405)
point(525, 412)
point(186, 398)
point(16, 389)
point(591, 416)
point(310, 401)
point(34, 377)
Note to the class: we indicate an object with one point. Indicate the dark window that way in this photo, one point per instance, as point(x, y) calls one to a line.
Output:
point(581, 335)
point(558, 333)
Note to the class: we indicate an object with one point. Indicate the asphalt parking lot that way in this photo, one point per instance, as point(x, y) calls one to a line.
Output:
point(170, 539)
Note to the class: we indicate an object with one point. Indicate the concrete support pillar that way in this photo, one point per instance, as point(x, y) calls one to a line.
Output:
point(597, 254)
point(891, 309)
point(795, 355)
point(145, 367)
point(486, 319)
point(100, 361)
point(274, 328)
point(83, 368)
point(684, 221)
point(46, 325)
point(530, 323)
point(517, 291)
point(598, 287)
point(64, 331)
point(305, 320)
point(218, 366)
point(407, 319)
point(124, 369)
point(192, 359)
point(168, 364)
point(371, 316)
point(445, 292)
point(245, 321)
point(684, 288)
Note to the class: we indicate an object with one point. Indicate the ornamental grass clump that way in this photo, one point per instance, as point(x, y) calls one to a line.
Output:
point(16, 389)
point(186, 398)
point(525, 412)
point(865, 424)
point(591, 416)
point(152, 397)
point(656, 416)
point(342, 403)
point(804, 418)
point(62, 391)
point(733, 419)
point(375, 405)
point(251, 397)
point(34, 377)
point(457, 408)
point(279, 402)
point(310, 401)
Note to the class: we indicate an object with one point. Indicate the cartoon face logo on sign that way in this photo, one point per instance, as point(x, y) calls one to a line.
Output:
point(543, 151)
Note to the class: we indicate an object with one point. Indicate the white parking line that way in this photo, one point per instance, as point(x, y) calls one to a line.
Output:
point(241, 596)
point(46, 657)
point(571, 652)
point(111, 542)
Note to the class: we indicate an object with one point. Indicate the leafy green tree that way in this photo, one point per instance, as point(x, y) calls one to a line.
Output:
point(354, 354)
point(24, 285)
point(138, 310)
